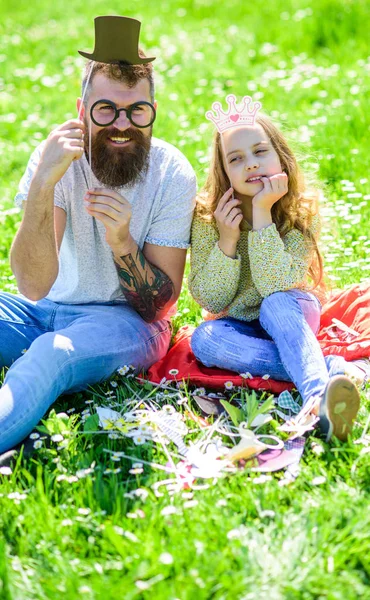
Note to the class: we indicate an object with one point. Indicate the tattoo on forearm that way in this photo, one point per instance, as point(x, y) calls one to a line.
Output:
point(145, 286)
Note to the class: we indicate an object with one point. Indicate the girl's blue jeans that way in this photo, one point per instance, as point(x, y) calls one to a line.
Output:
point(55, 348)
point(281, 343)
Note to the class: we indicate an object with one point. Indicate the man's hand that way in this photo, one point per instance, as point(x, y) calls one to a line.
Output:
point(274, 188)
point(228, 217)
point(114, 211)
point(64, 145)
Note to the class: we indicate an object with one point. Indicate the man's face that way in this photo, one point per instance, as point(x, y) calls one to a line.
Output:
point(119, 152)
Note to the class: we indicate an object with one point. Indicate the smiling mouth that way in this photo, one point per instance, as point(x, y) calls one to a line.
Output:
point(121, 141)
point(254, 179)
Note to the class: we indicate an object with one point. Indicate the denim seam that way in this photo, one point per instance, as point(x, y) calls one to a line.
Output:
point(282, 362)
point(153, 337)
point(25, 324)
point(52, 318)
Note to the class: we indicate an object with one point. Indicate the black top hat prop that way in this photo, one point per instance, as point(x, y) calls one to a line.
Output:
point(116, 40)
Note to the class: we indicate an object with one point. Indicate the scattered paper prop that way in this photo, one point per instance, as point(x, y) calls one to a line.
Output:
point(305, 421)
point(210, 406)
point(206, 458)
point(274, 460)
point(260, 420)
point(286, 400)
point(251, 445)
point(107, 416)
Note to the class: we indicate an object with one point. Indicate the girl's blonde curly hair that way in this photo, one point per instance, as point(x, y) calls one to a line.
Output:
point(294, 210)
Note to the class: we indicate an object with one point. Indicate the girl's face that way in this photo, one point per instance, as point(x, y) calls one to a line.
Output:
point(249, 155)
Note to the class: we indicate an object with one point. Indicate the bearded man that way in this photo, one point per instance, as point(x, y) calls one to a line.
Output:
point(100, 253)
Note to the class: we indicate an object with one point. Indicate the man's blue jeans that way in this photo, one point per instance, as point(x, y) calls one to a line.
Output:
point(281, 343)
point(56, 348)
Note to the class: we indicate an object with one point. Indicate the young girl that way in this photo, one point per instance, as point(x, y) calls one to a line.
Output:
point(254, 248)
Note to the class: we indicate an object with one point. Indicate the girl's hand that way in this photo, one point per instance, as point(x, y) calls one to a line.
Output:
point(228, 217)
point(274, 188)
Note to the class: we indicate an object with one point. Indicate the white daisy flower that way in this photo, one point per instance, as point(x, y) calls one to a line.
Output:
point(266, 377)
point(123, 370)
point(5, 471)
point(166, 558)
point(37, 444)
point(318, 480)
point(229, 385)
point(57, 437)
point(199, 392)
point(141, 493)
point(84, 511)
point(173, 371)
point(168, 510)
point(34, 436)
point(139, 439)
point(66, 523)
point(246, 375)
point(136, 471)
point(16, 496)
point(115, 457)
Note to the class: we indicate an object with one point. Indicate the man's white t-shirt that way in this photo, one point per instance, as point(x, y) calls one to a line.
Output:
point(162, 206)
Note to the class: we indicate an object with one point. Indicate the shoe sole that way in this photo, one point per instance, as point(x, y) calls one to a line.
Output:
point(342, 402)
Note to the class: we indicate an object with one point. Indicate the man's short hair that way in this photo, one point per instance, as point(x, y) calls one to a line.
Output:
point(119, 71)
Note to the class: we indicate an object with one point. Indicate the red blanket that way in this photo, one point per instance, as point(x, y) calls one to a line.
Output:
point(344, 330)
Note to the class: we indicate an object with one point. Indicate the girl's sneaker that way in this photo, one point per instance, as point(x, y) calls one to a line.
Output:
point(338, 408)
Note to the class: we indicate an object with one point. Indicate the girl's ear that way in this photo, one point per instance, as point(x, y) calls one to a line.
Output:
point(81, 107)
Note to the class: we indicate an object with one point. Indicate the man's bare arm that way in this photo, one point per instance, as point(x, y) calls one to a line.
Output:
point(150, 279)
point(34, 253)
point(149, 290)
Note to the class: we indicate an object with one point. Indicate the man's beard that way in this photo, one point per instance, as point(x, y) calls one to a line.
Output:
point(114, 166)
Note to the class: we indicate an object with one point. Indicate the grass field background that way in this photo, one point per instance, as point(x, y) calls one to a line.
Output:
point(65, 536)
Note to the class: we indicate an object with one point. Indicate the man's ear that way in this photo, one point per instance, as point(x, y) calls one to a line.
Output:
point(80, 106)
point(155, 104)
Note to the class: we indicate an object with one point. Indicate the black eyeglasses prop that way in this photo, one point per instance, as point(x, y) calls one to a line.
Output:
point(140, 114)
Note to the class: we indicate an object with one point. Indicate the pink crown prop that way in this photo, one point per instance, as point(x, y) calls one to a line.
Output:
point(234, 117)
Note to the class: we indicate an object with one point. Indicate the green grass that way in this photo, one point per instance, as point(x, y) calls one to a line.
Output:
point(308, 62)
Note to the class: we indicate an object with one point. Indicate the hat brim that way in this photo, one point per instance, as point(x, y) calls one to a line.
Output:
point(108, 59)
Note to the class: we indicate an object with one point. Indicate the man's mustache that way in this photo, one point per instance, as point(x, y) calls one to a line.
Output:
point(131, 133)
